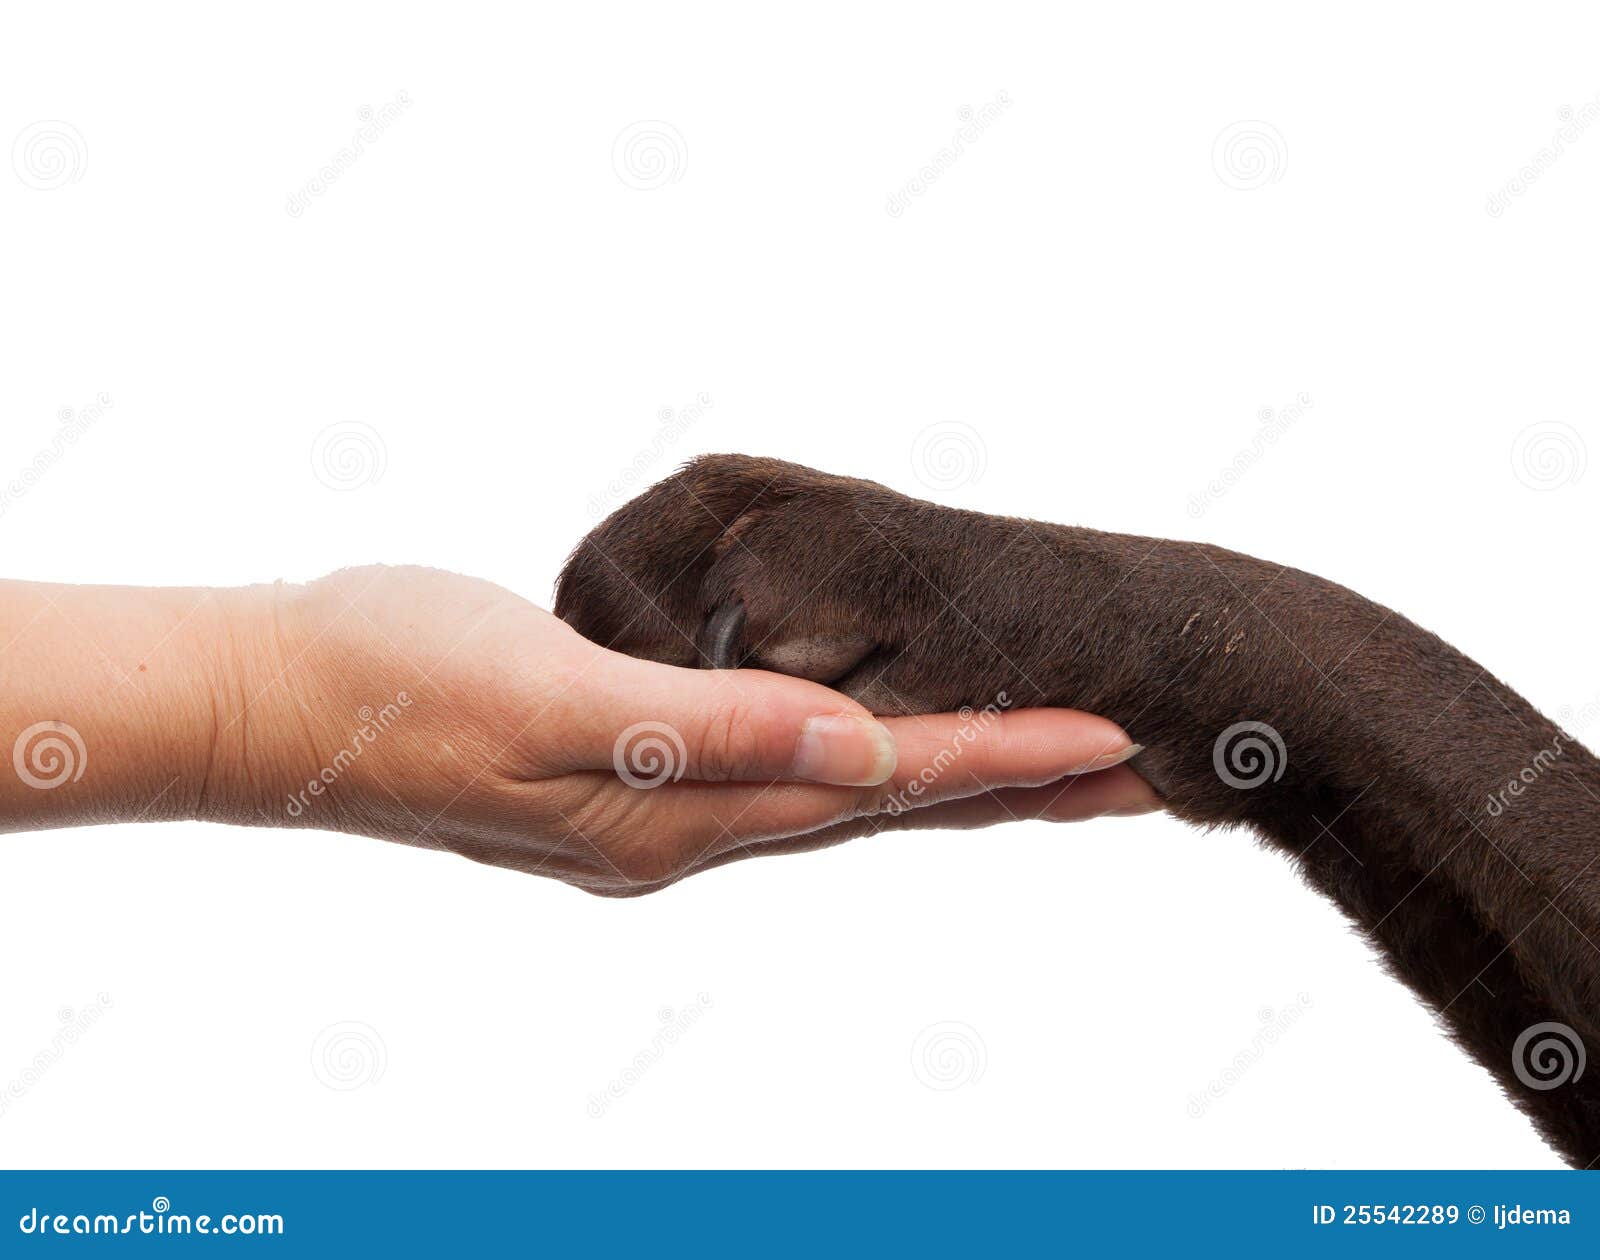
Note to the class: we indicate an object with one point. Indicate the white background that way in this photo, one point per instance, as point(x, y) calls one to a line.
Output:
point(1102, 292)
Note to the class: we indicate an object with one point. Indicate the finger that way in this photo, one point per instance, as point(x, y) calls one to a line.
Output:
point(652, 721)
point(944, 757)
point(1117, 792)
point(971, 751)
point(940, 757)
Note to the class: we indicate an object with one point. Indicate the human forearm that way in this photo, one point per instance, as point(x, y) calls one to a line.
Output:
point(123, 704)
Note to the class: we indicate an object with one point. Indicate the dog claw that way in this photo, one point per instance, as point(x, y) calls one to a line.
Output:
point(721, 635)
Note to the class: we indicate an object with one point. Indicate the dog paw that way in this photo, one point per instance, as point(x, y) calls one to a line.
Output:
point(756, 563)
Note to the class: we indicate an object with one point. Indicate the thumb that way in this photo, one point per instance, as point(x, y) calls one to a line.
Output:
point(653, 722)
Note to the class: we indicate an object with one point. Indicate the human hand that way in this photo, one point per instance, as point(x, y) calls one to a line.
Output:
point(428, 708)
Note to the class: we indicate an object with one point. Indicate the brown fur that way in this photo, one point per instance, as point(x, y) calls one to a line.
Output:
point(1394, 742)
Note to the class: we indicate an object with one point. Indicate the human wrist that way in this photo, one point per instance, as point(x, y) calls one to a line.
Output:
point(298, 685)
point(247, 668)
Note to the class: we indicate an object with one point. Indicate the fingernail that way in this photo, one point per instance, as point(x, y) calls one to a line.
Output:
point(845, 750)
point(1106, 760)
